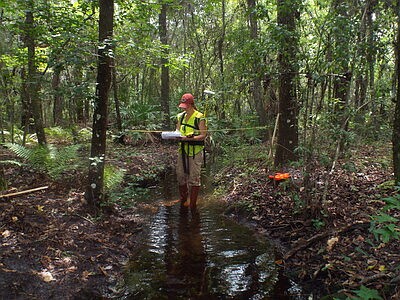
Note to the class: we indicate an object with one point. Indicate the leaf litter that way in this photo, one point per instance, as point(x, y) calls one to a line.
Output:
point(53, 247)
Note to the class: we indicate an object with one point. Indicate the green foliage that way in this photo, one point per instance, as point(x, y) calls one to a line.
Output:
point(126, 197)
point(148, 175)
point(350, 166)
point(298, 203)
point(82, 135)
point(365, 293)
point(318, 223)
point(18, 135)
point(385, 226)
point(58, 133)
point(55, 162)
point(113, 177)
point(137, 114)
point(242, 207)
point(241, 154)
point(11, 162)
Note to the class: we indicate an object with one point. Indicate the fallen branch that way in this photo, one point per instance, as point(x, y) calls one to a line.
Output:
point(374, 278)
point(24, 192)
point(87, 219)
point(304, 244)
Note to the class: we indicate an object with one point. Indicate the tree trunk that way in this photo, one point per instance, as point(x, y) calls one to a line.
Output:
point(340, 91)
point(116, 98)
point(33, 76)
point(78, 100)
point(164, 98)
point(95, 189)
point(58, 100)
point(288, 138)
point(199, 53)
point(220, 109)
point(396, 120)
point(26, 115)
point(341, 83)
point(256, 67)
point(371, 59)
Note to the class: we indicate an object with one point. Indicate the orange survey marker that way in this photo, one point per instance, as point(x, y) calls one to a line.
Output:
point(279, 176)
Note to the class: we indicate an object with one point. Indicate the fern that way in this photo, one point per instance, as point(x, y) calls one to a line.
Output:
point(113, 176)
point(48, 158)
point(59, 162)
point(10, 162)
point(19, 150)
point(64, 160)
point(58, 133)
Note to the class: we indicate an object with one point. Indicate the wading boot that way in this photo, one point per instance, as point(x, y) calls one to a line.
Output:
point(194, 192)
point(183, 194)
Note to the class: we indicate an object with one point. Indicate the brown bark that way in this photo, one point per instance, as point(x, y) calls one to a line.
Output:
point(116, 98)
point(33, 76)
point(288, 128)
point(58, 100)
point(164, 98)
point(95, 189)
point(396, 119)
point(26, 114)
point(256, 67)
point(341, 83)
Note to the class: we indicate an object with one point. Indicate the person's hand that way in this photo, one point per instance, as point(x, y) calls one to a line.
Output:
point(187, 137)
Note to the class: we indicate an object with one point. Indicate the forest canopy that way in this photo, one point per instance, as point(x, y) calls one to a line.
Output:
point(321, 71)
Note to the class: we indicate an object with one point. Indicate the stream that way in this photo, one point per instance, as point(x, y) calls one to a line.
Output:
point(202, 255)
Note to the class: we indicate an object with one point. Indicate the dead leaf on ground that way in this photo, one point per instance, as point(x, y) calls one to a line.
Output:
point(331, 243)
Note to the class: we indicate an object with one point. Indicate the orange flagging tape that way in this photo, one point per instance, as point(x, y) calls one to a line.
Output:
point(279, 176)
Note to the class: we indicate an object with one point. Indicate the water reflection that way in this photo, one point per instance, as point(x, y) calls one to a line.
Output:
point(200, 255)
point(186, 265)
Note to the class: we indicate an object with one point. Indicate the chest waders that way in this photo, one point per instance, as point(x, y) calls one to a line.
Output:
point(190, 145)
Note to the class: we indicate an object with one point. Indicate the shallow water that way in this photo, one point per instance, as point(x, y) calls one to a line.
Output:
point(202, 255)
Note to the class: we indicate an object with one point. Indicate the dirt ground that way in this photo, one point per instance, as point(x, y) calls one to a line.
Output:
point(331, 250)
point(53, 247)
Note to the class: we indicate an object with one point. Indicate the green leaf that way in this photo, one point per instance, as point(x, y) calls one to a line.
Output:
point(392, 202)
point(365, 293)
point(384, 218)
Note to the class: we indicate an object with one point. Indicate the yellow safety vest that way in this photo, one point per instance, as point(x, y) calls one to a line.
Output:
point(190, 127)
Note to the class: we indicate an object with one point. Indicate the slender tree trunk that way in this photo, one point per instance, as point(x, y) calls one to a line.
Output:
point(78, 99)
point(341, 92)
point(341, 84)
point(164, 99)
point(25, 104)
point(33, 76)
point(116, 98)
point(360, 91)
point(58, 100)
point(200, 54)
point(396, 120)
point(220, 109)
point(95, 189)
point(256, 67)
point(371, 60)
point(288, 139)
point(9, 111)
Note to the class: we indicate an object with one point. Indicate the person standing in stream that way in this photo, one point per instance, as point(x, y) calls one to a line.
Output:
point(192, 125)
